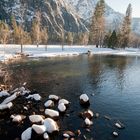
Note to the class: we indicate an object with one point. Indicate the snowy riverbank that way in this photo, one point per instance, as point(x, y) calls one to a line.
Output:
point(9, 51)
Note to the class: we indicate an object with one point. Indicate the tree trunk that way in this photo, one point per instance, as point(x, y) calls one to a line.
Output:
point(21, 48)
point(37, 45)
point(46, 47)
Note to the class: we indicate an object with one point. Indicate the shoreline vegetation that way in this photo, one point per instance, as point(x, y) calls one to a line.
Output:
point(13, 52)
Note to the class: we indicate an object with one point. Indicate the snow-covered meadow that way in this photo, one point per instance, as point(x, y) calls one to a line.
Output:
point(9, 51)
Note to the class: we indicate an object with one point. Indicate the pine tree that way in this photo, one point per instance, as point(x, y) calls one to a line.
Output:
point(97, 29)
point(113, 40)
point(126, 28)
point(106, 38)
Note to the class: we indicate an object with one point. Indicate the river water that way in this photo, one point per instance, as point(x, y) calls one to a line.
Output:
point(112, 83)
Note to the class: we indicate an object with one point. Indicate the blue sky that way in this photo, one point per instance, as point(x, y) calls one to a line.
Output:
point(121, 5)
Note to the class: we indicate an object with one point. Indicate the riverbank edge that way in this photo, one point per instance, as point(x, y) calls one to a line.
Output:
point(58, 51)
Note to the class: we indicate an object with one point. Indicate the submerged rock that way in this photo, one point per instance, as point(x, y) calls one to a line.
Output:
point(97, 115)
point(107, 117)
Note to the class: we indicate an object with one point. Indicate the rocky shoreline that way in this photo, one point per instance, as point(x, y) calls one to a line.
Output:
point(25, 113)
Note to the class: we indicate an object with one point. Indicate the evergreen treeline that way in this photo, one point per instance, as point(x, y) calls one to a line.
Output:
point(15, 33)
point(121, 38)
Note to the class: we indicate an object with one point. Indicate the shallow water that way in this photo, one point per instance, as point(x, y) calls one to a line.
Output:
point(114, 81)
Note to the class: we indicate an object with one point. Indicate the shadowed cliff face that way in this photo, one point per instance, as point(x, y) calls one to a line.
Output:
point(55, 14)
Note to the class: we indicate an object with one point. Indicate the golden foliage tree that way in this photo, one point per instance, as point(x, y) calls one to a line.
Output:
point(4, 32)
point(97, 29)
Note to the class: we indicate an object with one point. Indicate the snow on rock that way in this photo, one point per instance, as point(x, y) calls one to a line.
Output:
point(39, 129)
point(36, 118)
point(4, 93)
point(120, 126)
point(66, 102)
point(54, 97)
point(62, 107)
point(51, 113)
point(6, 106)
point(49, 103)
point(84, 99)
point(17, 118)
point(51, 125)
point(23, 91)
point(87, 114)
point(115, 134)
point(26, 135)
point(88, 122)
point(36, 97)
point(46, 136)
point(11, 98)
point(25, 108)
point(66, 135)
